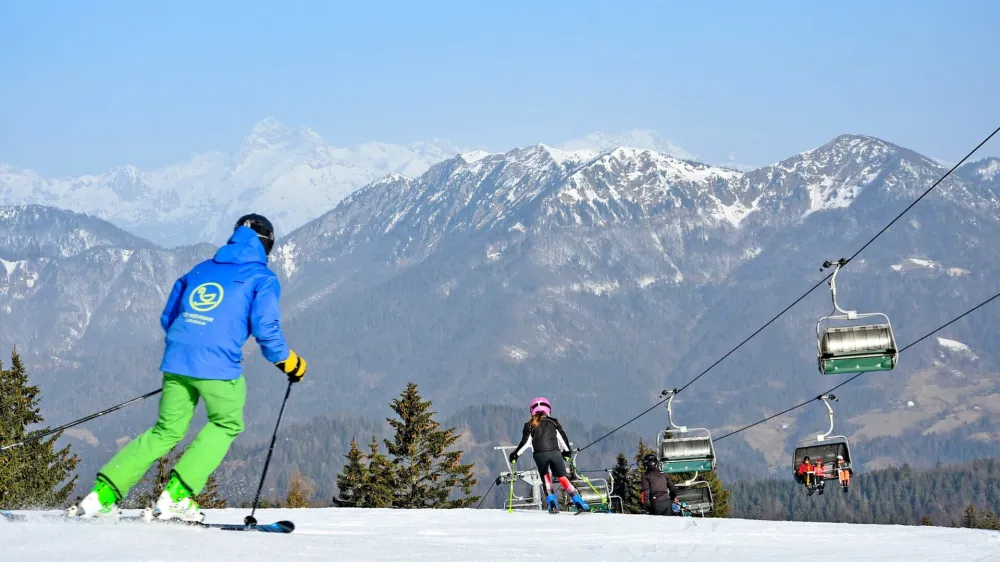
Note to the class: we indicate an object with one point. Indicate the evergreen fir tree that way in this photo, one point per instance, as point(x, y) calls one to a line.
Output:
point(426, 472)
point(633, 498)
point(211, 497)
point(35, 474)
point(379, 487)
point(351, 480)
point(300, 491)
point(989, 520)
point(621, 476)
point(971, 518)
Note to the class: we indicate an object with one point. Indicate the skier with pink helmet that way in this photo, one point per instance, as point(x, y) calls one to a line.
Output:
point(550, 449)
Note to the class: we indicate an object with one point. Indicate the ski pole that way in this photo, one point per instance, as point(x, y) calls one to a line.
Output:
point(81, 420)
point(249, 520)
point(585, 479)
point(513, 470)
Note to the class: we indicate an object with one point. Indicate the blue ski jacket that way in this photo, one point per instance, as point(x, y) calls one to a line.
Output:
point(214, 308)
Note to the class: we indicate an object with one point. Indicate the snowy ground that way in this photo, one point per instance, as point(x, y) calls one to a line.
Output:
point(356, 534)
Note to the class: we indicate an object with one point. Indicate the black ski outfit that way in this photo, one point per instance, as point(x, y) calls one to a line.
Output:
point(658, 492)
point(549, 445)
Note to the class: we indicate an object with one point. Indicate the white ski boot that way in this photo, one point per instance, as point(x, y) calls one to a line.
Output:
point(176, 502)
point(101, 502)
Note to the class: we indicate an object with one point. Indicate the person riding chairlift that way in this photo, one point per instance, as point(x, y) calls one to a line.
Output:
point(804, 473)
point(844, 472)
point(819, 477)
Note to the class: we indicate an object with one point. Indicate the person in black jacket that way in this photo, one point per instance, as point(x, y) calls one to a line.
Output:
point(550, 449)
point(658, 493)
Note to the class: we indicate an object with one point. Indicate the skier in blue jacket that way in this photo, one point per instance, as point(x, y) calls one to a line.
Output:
point(210, 313)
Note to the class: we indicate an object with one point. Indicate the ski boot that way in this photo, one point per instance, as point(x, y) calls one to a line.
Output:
point(101, 502)
point(552, 503)
point(579, 503)
point(176, 502)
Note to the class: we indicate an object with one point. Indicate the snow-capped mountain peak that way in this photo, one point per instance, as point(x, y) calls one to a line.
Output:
point(289, 173)
point(474, 156)
point(271, 132)
point(989, 169)
point(637, 138)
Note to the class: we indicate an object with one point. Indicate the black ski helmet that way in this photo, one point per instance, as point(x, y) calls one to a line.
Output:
point(260, 225)
point(650, 462)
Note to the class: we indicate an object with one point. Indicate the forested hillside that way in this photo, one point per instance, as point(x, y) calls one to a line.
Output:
point(902, 496)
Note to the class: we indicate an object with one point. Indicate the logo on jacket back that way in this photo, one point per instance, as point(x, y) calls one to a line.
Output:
point(206, 297)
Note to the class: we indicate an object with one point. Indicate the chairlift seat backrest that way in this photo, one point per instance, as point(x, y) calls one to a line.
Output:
point(698, 498)
point(851, 340)
point(687, 454)
point(596, 494)
point(826, 451)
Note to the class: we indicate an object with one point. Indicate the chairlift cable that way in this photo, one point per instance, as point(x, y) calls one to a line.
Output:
point(929, 334)
point(807, 293)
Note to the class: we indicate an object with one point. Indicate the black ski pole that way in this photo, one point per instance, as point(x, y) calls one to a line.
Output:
point(81, 420)
point(249, 520)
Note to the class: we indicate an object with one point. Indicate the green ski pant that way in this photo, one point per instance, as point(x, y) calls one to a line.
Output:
point(224, 405)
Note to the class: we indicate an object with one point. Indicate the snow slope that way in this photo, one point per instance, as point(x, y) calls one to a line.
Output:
point(354, 534)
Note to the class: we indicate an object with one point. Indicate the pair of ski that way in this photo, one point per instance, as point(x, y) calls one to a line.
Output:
point(282, 527)
point(559, 511)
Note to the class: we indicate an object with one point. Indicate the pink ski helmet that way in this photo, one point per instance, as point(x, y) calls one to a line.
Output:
point(540, 405)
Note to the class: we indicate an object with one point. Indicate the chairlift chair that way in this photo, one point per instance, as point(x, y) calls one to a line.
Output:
point(693, 452)
point(696, 495)
point(595, 492)
point(615, 503)
point(824, 447)
point(853, 348)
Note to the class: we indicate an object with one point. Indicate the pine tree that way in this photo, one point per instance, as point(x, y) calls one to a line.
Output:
point(380, 484)
point(300, 491)
point(971, 519)
point(621, 476)
point(34, 474)
point(989, 520)
point(633, 497)
point(426, 472)
point(926, 521)
point(211, 497)
point(351, 480)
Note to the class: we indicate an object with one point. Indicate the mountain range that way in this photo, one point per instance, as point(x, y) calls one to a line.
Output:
point(290, 171)
point(594, 275)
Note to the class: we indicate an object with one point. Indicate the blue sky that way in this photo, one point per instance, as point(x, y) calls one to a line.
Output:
point(88, 85)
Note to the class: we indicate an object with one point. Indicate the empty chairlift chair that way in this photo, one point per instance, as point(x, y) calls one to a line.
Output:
point(853, 348)
point(595, 492)
point(692, 451)
point(696, 496)
point(824, 447)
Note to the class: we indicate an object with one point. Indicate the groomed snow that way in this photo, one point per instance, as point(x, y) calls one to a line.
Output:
point(355, 534)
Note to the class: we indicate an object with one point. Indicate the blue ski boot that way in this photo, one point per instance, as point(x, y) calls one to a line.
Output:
point(553, 504)
point(579, 503)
